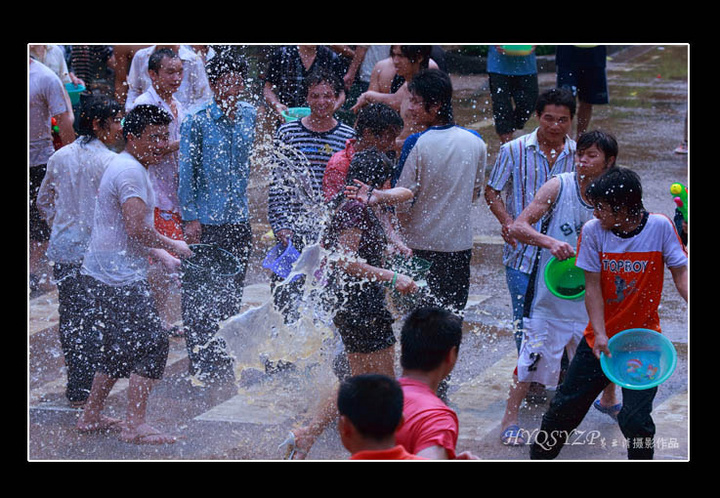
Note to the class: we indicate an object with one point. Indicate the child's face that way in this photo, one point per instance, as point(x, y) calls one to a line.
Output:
point(608, 218)
point(590, 162)
point(385, 141)
point(322, 100)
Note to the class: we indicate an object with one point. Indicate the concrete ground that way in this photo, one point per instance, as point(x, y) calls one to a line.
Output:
point(248, 421)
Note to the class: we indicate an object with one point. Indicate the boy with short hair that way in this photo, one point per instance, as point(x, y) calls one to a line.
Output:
point(430, 342)
point(623, 252)
point(123, 236)
point(370, 408)
point(552, 324)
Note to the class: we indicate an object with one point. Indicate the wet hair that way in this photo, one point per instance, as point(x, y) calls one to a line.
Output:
point(604, 141)
point(377, 118)
point(142, 116)
point(156, 58)
point(416, 52)
point(558, 97)
point(373, 403)
point(370, 166)
point(434, 87)
point(324, 75)
point(94, 108)
point(617, 188)
point(427, 336)
point(225, 63)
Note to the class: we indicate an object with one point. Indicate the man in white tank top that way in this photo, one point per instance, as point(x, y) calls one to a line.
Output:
point(552, 324)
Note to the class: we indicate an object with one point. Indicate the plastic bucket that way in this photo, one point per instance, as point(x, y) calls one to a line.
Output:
point(517, 49)
point(640, 359)
point(280, 259)
point(564, 279)
point(294, 113)
point(414, 267)
point(74, 91)
point(211, 260)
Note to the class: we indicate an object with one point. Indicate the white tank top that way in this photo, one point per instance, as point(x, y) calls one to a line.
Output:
point(563, 222)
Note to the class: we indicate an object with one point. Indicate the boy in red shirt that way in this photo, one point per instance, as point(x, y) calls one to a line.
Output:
point(370, 408)
point(430, 340)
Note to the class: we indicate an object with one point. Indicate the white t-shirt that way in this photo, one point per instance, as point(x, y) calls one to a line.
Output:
point(67, 197)
point(164, 174)
point(444, 167)
point(112, 256)
point(46, 99)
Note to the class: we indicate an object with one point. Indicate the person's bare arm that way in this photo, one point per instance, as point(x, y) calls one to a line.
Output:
point(680, 278)
point(523, 230)
point(64, 122)
point(133, 212)
point(497, 208)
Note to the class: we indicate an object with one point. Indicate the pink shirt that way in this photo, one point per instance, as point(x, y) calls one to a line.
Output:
point(337, 169)
point(427, 420)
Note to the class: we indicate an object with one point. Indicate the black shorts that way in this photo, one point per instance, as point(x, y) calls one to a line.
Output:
point(133, 341)
point(588, 84)
point(364, 323)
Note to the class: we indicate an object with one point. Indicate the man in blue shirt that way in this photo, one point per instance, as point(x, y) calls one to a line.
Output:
point(215, 148)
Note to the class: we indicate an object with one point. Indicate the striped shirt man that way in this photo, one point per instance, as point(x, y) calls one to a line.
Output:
point(519, 171)
point(287, 208)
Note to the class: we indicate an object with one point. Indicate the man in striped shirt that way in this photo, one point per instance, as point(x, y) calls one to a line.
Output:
point(522, 166)
point(295, 192)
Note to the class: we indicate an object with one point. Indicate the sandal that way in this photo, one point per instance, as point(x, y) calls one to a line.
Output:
point(611, 411)
point(512, 436)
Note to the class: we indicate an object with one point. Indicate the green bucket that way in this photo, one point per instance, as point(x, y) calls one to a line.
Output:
point(74, 91)
point(294, 113)
point(211, 261)
point(415, 268)
point(518, 50)
point(564, 279)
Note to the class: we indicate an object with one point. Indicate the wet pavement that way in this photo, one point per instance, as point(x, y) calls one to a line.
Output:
point(249, 420)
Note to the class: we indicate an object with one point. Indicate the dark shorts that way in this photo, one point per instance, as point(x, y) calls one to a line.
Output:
point(364, 324)
point(513, 100)
point(39, 229)
point(133, 341)
point(589, 84)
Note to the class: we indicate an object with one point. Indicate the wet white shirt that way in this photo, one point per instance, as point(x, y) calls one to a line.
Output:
point(164, 175)
point(46, 98)
point(194, 90)
point(112, 256)
point(67, 197)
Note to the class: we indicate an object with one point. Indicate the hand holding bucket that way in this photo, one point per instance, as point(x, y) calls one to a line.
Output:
point(564, 279)
point(639, 359)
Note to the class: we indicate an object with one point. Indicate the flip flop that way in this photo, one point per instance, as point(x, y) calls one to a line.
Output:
point(611, 411)
point(512, 436)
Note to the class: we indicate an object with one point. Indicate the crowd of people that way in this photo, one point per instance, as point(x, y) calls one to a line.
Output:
point(156, 156)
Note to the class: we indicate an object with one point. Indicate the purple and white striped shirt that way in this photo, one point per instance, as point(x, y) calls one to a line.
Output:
point(519, 171)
